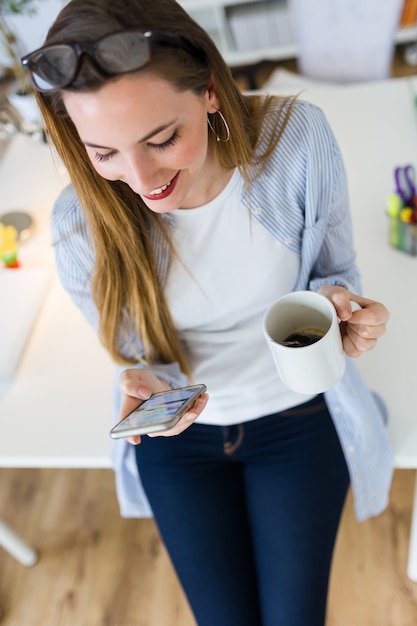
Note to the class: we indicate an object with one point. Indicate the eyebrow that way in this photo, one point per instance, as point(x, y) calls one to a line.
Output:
point(153, 132)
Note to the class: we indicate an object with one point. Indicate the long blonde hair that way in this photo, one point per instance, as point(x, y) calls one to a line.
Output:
point(126, 286)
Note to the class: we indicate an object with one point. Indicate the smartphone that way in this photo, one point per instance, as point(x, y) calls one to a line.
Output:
point(160, 412)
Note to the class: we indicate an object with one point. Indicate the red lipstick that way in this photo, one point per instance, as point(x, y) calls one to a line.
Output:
point(167, 192)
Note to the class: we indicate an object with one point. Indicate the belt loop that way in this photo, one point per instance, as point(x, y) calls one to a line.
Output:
point(229, 447)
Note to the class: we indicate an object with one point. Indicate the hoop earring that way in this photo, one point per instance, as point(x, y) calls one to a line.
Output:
point(225, 125)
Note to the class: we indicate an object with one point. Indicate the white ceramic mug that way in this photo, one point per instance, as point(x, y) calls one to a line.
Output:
point(311, 368)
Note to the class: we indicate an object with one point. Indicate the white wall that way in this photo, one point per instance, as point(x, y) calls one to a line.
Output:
point(32, 30)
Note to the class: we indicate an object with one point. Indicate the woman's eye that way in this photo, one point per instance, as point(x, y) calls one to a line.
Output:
point(101, 158)
point(166, 144)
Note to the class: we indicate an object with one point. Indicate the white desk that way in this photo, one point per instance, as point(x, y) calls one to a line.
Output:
point(56, 411)
point(64, 381)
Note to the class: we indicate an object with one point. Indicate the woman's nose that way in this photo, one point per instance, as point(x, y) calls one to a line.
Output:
point(140, 175)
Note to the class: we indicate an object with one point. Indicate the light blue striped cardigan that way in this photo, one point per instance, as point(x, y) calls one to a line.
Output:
point(301, 199)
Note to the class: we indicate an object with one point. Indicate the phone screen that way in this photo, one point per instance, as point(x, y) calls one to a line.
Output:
point(160, 411)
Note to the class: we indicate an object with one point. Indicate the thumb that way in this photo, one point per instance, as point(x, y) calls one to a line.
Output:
point(341, 302)
point(144, 392)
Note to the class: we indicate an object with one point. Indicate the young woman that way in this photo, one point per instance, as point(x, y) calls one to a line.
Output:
point(191, 209)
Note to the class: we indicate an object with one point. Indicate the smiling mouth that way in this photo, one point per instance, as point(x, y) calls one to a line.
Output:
point(159, 190)
point(164, 191)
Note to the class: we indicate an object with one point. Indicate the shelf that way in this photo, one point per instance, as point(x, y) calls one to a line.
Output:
point(273, 53)
point(244, 30)
point(406, 35)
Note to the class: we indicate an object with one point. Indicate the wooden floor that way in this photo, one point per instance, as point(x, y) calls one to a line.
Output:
point(97, 569)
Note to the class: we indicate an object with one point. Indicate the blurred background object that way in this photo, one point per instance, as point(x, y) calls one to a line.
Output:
point(346, 40)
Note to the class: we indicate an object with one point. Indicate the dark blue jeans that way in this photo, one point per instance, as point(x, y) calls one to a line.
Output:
point(249, 514)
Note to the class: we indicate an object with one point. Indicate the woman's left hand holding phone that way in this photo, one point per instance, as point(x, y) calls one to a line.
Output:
point(140, 384)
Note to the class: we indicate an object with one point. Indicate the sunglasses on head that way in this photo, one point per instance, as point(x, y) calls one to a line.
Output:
point(57, 66)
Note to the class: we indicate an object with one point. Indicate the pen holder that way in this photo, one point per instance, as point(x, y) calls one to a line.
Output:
point(403, 235)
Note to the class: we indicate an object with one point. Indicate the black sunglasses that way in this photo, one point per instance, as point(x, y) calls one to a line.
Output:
point(57, 66)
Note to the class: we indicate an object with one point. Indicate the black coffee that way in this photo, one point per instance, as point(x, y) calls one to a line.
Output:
point(303, 337)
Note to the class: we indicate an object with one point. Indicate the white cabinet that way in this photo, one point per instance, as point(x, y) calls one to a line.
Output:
point(249, 31)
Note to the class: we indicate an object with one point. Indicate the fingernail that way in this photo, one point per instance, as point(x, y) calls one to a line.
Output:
point(143, 392)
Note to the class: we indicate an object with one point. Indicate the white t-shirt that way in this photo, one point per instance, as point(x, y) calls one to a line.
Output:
point(228, 272)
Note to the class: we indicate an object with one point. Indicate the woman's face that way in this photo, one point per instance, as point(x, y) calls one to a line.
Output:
point(142, 131)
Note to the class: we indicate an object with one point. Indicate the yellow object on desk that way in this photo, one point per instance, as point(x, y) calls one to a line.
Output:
point(8, 246)
point(406, 215)
point(394, 205)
